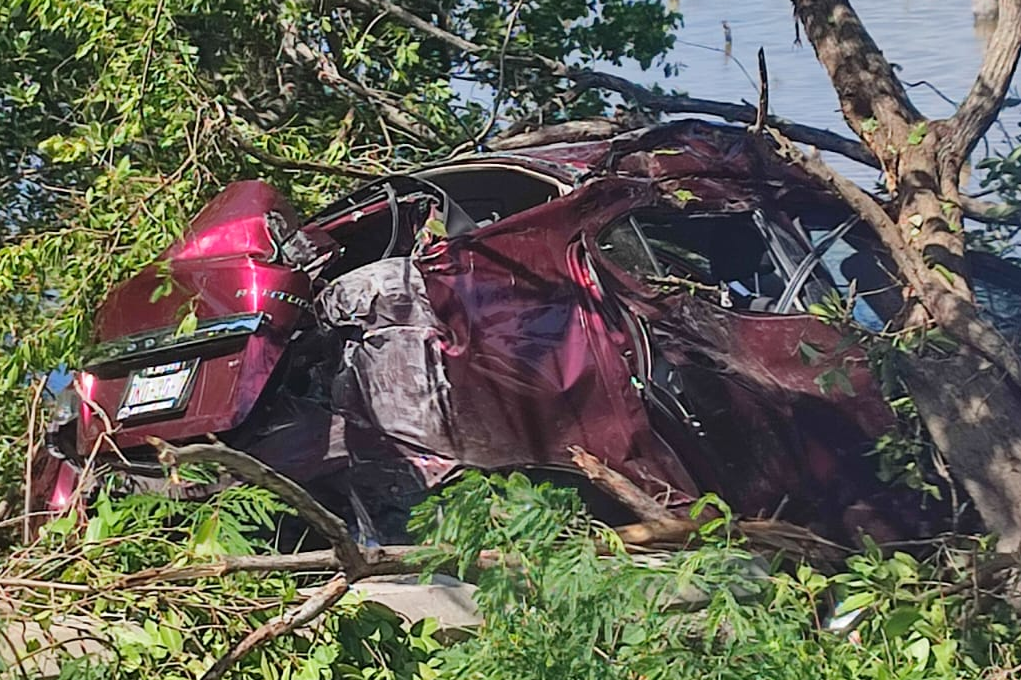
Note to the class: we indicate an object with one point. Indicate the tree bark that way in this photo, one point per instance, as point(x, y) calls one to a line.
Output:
point(975, 423)
point(972, 412)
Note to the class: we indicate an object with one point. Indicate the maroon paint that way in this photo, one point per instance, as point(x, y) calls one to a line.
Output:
point(533, 364)
point(532, 351)
point(222, 267)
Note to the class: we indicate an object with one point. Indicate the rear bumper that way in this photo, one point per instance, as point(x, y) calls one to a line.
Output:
point(234, 368)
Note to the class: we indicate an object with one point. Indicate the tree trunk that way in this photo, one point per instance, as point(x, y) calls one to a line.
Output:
point(970, 401)
point(972, 413)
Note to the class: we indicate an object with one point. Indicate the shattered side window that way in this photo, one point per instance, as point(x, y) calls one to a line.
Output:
point(624, 244)
point(723, 250)
point(853, 257)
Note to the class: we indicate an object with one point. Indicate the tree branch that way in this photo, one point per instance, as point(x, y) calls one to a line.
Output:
point(872, 99)
point(989, 212)
point(320, 601)
point(659, 525)
point(984, 101)
point(619, 486)
point(741, 113)
point(287, 164)
point(763, 110)
point(328, 525)
point(307, 56)
point(571, 131)
point(864, 80)
point(378, 560)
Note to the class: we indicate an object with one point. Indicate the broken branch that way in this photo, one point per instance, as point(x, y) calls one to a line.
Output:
point(735, 113)
point(320, 601)
point(763, 112)
point(327, 524)
point(573, 131)
point(619, 486)
point(378, 560)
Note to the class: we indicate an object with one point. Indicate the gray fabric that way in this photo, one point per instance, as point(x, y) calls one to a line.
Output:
point(389, 292)
point(391, 374)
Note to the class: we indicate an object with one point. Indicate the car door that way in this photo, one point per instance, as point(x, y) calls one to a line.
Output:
point(783, 406)
point(535, 363)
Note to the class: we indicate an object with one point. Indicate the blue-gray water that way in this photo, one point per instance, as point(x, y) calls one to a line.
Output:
point(932, 40)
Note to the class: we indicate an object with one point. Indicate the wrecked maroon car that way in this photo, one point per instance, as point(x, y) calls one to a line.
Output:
point(645, 298)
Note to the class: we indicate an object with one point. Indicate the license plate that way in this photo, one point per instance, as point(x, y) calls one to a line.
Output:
point(158, 390)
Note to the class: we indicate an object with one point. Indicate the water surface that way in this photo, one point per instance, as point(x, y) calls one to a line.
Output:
point(931, 40)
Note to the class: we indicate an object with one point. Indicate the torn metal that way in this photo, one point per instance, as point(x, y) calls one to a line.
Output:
point(648, 298)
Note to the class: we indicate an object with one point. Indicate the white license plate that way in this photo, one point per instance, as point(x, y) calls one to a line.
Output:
point(158, 390)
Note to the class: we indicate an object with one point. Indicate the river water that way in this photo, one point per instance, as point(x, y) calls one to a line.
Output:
point(931, 40)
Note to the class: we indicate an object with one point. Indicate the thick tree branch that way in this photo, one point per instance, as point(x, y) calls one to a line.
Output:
point(660, 526)
point(619, 487)
point(571, 131)
point(989, 212)
point(864, 80)
point(741, 113)
point(984, 101)
point(379, 560)
point(872, 99)
point(954, 314)
point(328, 525)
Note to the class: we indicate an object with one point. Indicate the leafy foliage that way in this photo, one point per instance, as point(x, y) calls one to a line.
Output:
point(561, 599)
point(178, 630)
point(565, 601)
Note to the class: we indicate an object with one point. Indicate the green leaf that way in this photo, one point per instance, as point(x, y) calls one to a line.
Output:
point(856, 602)
point(436, 226)
point(810, 355)
point(918, 133)
point(919, 651)
point(943, 654)
point(869, 125)
point(684, 196)
point(900, 620)
point(188, 324)
point(165, 288)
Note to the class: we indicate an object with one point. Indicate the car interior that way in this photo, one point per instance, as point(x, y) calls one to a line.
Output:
point(489, 193)
point(712, 249)
point(381, 219)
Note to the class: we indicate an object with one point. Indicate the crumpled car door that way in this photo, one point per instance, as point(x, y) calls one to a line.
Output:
point(786, 406)
point(533, 364)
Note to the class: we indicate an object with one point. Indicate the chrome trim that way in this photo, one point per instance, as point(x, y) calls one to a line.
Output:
point(148, 343)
